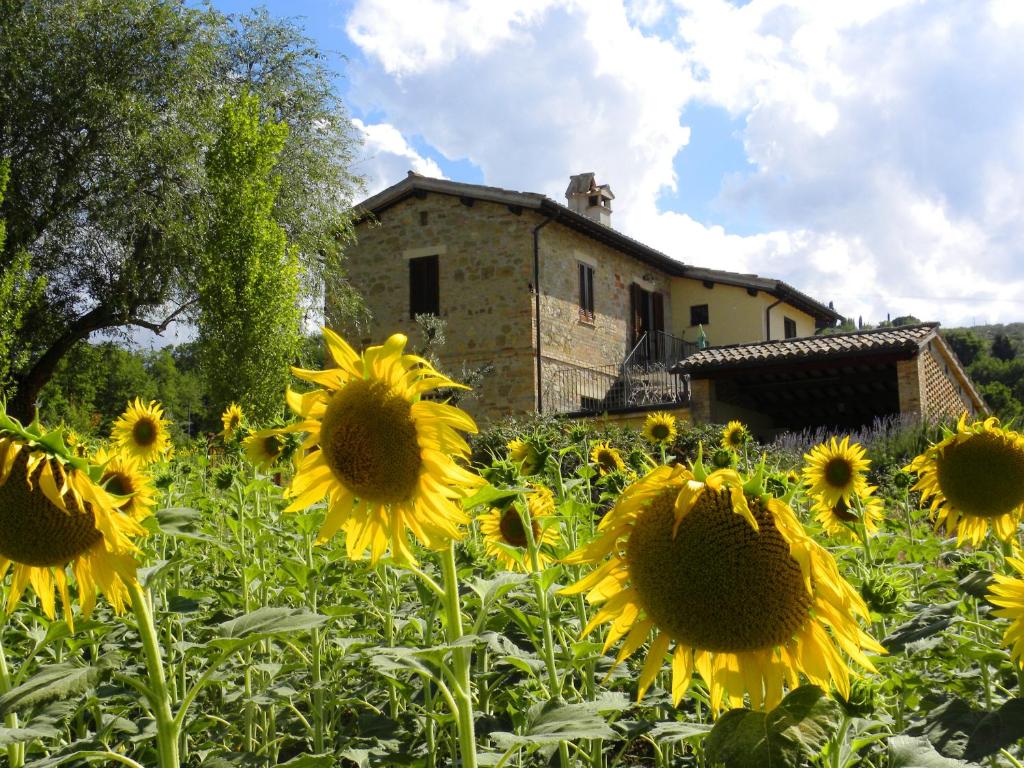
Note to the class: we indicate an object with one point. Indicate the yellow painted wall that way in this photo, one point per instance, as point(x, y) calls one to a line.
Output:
point(734, 316)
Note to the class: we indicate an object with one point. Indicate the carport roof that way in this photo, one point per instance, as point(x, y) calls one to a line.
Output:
point(906, 339)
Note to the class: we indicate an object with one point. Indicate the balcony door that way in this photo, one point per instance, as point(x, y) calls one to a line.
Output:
point(647, 310)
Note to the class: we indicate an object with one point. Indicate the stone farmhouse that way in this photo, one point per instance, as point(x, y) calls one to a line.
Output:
point(576, 317)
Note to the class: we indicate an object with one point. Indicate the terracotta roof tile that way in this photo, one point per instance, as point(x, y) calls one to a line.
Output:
point(907, 338)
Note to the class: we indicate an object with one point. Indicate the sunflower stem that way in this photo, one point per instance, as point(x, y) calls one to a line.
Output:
point(554, 684)
point(461, 658)
point(316, 673)
point(166, 727)
point(15, 752)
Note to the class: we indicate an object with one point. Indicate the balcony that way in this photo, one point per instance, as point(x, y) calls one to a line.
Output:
point(640, 381)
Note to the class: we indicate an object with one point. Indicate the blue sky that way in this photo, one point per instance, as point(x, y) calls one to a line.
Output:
point(869, 153)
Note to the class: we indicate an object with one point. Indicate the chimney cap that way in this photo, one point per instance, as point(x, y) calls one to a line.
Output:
point(586, 184)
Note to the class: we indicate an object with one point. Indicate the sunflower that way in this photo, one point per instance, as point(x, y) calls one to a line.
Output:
point(835, 519)
point(835, 471)
point(264, 447)
point(122, 477)
point(660, 428)
point(607, 458)
point(729, 578)
point(1008, 593)
point(505, 536)
point(141, 431)
point(231, 419)
point(974, 478)
point(383, 457)
point(526, 456)
point(54, 514)
point(734, 436)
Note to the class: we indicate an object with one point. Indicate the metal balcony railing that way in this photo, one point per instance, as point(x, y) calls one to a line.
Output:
point(641, 379)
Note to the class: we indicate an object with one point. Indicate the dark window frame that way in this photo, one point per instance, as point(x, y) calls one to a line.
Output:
point(699, 315)
point(585, 273)
point(789, 328)
point(424, 286)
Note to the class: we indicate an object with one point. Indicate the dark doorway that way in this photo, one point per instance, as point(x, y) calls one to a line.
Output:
point(647, 308)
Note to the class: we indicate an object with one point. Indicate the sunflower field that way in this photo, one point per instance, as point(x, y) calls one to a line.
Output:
point(373, 583)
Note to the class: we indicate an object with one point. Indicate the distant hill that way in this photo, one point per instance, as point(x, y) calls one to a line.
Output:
point(1013, 330)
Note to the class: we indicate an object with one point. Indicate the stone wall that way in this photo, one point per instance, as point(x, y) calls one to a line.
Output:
point(485, 258)
point(565, 337)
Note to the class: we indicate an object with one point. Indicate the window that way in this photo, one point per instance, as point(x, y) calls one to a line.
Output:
point(424, 289)
point(789, 328)
point(699, 314)
point(424, 218)
point(586, 292)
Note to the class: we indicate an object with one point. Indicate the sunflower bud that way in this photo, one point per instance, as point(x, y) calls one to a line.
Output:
point(862, 700)
point(224, 477)
point(723, 458)
point(882, 593)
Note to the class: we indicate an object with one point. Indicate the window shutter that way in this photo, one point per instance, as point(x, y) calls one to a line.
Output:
point(424, 286)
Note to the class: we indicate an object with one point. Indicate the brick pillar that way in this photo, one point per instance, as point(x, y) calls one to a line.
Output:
point(701, 392)
point(910, 379)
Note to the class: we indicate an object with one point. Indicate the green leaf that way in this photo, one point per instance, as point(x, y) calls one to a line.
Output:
point(928, 623)
point(58, 681)
point(957, 730)
point(672, 731)
point(553, 722)
point(182, 522)
point(489, 496)
point(490, 590)
point(18, 735)
point(917, 752)
point(270, 621)
point(976, 584)
point(313, 761)
point(795, 731)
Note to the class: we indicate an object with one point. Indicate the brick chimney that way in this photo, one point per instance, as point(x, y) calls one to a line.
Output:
point(592, 200)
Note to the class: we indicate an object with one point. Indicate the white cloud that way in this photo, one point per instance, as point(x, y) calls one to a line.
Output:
point(386, 157)
point(409, 36)
point(886, 137)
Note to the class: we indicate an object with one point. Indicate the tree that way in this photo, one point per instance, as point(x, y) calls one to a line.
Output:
point(967, 345)
point(106, 110)
point(1002, 347)
point(1001, 400)
point(249, 318)
point(17, 291)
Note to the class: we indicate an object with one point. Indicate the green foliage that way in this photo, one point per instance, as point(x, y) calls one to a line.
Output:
point(108, 108)
point(249, 278)
point(1003, 348)
point(967, 345)
point(1002, 400)
point(94, 383)
point(18, 290)
point(787, 737)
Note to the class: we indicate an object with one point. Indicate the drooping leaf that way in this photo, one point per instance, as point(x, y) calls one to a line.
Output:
point(672, 732)
point(917, 752)
point(489, 496)
point(976, 584)
point(314, 761)
point(58, 681)
point(182, 522)
point(793, 732)
point(925, 626)
point(270, 621)
point(957, 730)
point(552, 722)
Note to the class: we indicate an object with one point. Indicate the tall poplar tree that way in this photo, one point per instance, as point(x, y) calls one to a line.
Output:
point(249, 310)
